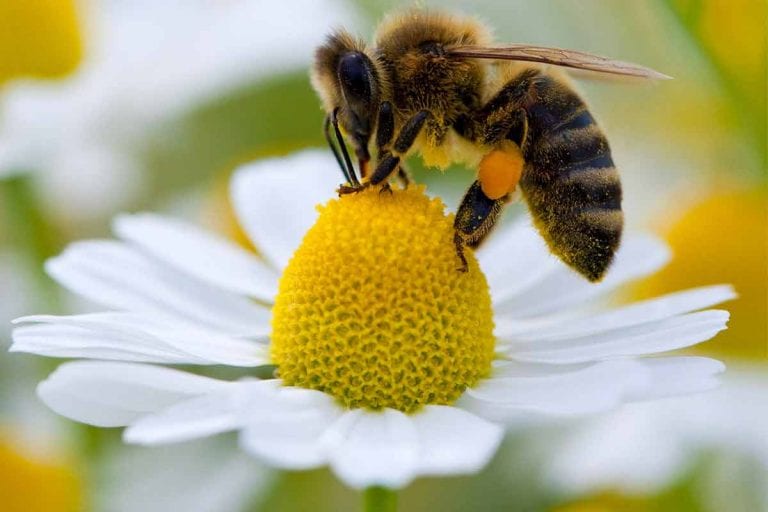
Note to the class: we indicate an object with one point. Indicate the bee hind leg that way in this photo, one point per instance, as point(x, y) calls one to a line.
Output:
point(476, 216)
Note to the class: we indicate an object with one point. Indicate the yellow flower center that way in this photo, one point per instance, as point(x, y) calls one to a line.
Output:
point(372, 309)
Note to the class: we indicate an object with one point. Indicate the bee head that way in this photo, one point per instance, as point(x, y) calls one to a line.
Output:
point(347, 80)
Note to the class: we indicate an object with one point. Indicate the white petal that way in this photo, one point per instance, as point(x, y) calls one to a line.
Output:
point(628, 450)
point(136, 337)
point(642, 447)
point(201, 416)
point(286, 427)
point(119, 276)
point(453, 441)
point(678, 376)
point(375, 448)
point(595, 388)
point(203, 255)
point(638, 256)
point(657, 308)
point(116, 394)
point(75, 342)
point(511, 368)
point(514, 258)
point(654, 337)
point(275, 200)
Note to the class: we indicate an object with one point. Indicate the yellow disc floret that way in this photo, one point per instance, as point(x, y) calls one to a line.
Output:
point(372, 309)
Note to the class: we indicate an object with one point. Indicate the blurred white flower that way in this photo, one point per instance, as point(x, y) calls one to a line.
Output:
point(16, 290)
point(180, 295)
point(146, 61)
point(646, 446)
point(35, 429)
point(201, 476)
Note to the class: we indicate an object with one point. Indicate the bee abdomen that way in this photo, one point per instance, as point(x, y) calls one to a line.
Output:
point(574, 192)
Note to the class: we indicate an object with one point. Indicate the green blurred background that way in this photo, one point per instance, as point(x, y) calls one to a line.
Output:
point(692, 153)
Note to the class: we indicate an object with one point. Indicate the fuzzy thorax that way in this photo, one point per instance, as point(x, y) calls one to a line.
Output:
point(372, 310)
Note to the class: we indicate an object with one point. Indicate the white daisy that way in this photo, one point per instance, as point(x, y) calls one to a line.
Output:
point(646, 447)
point(389, 365)
point(168, 478)
point(95, 123)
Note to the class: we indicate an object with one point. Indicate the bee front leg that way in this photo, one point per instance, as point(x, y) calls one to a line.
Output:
point(384, 135)
point(403, 176)
point(476, 216)
point(385, 130)
point(389, 161)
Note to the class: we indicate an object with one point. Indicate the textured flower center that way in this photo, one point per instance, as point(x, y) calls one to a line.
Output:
point(372, 310)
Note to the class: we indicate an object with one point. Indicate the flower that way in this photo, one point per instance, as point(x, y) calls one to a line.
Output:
point(29, 481)
point(40, 39)
point(166, 478)
point(646, 447)
point(708, 439)
point(696, 236)
point(390, 363)
point(97, 123)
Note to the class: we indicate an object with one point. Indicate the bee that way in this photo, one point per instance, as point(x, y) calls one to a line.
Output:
point(436, 85)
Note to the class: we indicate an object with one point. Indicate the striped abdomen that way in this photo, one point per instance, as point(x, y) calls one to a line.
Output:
point(569, 180)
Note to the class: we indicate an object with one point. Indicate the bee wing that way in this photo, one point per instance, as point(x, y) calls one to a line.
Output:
point(558, 57)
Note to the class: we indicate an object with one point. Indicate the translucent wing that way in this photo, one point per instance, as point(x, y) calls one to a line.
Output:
point(558, 57)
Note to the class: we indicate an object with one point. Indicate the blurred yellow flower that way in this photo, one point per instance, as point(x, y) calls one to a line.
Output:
point(29, 484)
point(732, 36)
point(724, 238)
point(39, 38)
point(740, 24)
point(612, 503)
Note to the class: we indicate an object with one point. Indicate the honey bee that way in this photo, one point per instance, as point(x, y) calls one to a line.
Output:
point(435, 84)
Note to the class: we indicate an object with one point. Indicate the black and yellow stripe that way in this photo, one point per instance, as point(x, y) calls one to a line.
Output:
point(570, 182)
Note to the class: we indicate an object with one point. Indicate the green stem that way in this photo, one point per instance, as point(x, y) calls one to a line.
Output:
point(379, 499)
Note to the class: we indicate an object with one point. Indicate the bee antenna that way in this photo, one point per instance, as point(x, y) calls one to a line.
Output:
point(327, 132)
point(346, 164)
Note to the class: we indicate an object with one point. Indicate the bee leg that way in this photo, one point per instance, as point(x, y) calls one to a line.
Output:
point(388, 161)
point(458, 241)
point(384, 169)
point(410, 131)
point(344, 190)
point(570, 182)
point(476, 215)
point(385, 130)
point(403, 176)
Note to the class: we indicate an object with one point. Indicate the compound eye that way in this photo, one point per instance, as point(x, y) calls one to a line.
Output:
point(354, 75)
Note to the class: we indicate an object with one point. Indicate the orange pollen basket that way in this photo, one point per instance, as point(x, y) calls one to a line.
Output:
point(500, 171)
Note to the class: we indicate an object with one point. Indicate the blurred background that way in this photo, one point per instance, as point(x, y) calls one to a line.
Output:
point(124, 105)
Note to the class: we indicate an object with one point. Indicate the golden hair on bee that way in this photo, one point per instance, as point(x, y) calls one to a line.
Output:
point(436, 85)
